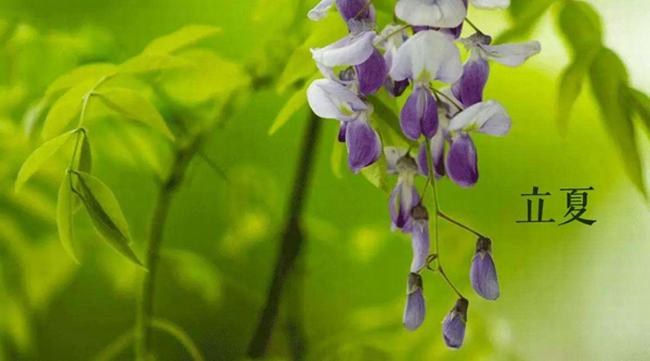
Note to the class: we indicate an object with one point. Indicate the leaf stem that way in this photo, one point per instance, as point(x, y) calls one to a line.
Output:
point(470, 23)
point(436, 202)
point(459, 224)
point(452, 101)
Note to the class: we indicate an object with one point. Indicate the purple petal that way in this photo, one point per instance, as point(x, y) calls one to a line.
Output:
point(483, 273)
point(400, 205)
point(420, 244)
point(419, 115)
point(438, 154)
point(354, 9)
point(453, 327)
point(469, 89)
point(429, 114)
point(396, 88)
point(364, 145)
point(372, 73)
point(461, 164)
point(414, 311)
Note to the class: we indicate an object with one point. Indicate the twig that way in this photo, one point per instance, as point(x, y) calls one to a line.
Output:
point(292, 241)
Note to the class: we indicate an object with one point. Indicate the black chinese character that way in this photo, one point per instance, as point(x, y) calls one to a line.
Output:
point(576, 202)
point(540, 207)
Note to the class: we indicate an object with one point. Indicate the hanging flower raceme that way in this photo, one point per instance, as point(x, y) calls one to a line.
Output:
point(469, 89)
point(404, 196)
point(462, 161)
point(453, 327)
point(425, 57)
point(483, 274)
point(331, 100)
point(438, 122)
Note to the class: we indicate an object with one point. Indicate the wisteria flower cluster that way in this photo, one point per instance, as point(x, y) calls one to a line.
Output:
point(418, 52)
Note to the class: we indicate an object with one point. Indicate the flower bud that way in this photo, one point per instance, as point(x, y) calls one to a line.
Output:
point(483, 274)
point(414, 310)
point(453, 327)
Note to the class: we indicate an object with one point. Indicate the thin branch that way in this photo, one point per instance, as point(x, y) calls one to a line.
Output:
point(161, 212)
point(292, 241)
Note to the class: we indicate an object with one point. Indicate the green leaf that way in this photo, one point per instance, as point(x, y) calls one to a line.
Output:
point(296, 102)
point(64, 110)
point(581, 26)
point(38, 158)
point(299, 66)
point(134, 106)
point(609, 81)
point(525, 15)
point(180, 39)
point(641, 103)
point(147, 63)
point(377, 175)
point(570, 88)
point(210, 77)
point(64, 211)
point(85, 155)
point(106, 214)
point(84, 73)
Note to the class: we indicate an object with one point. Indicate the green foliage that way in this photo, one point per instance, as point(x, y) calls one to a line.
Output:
point(64, 213)
point(609, 81)
point(41, 155)
point(581, 26)
point(180, 39)
point(106, 214)
point(134, 106)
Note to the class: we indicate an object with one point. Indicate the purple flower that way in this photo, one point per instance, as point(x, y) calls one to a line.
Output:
point(462, 161)
point(404, 196)
point(420, 237)
point(453, 327)
point(469, 88)
point(414, 310)
point(427, 56)
point(419, 116)
point(483, 274)
point(371, 74)
point(358, 14)
point(331, 100)
point(437, 148)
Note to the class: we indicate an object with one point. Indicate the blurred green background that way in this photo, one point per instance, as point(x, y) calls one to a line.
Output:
point(568, 293)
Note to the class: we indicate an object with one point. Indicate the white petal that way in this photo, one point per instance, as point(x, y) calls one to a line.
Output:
point(393, 154)
point(491, 4)
point(351, 50)
point(511, 54)
point(486, 117)
point(435, 13)
point(320, 11)
point(331, 100)
point(428, 55)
